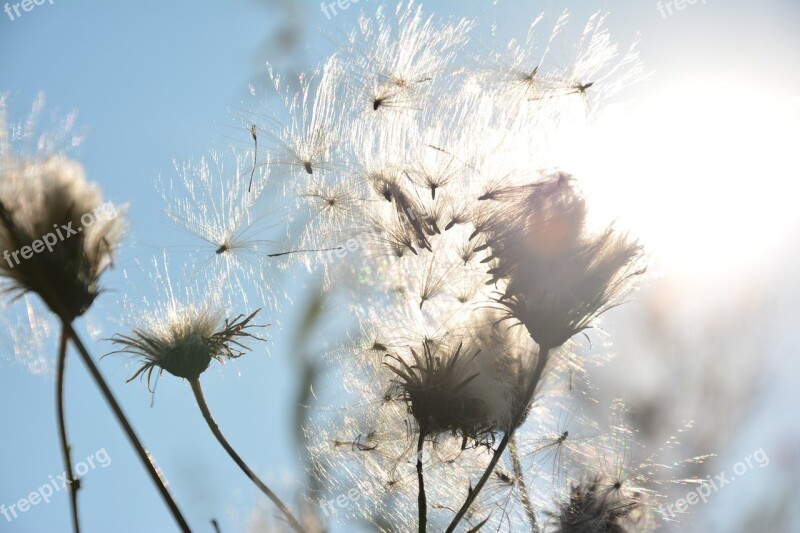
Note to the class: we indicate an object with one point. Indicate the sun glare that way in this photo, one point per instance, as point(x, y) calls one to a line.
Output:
point(706, 173)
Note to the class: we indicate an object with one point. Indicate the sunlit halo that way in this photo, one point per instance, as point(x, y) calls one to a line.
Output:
point(705, 173)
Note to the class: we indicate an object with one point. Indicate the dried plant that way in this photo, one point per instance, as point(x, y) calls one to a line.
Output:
point(182, 339)
point(488, 271)
point(66, 237)
point(434, 194)
point(44, 207)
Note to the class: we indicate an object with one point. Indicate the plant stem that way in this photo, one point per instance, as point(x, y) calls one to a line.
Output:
point(74, 484)
point(523, 489)
point(541, 362)
point(123, 421)
point(46, 294)
point(201, 403)
point(479, 486)
point(422, 501)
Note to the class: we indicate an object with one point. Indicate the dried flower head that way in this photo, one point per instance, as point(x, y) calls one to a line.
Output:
point(57, 234)
point(559, 277)
point(436, 389)
point(589, 509)
point(183, 340)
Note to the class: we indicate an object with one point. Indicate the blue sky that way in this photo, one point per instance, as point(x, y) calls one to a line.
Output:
point(152, 82)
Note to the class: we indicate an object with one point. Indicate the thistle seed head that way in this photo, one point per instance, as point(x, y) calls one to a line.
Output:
point(589, 509)
point(58, 234)
point(185, 340)
point(438, 389)
point(559, 277)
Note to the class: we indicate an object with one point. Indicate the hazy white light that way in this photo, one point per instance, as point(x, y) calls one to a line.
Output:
point(706, 173)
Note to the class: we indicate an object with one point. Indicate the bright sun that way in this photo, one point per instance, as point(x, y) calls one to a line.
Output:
point(705, 173)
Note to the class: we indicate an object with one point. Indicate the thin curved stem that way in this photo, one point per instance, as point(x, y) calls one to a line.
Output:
point(541, 363)
point(201, 403)
point(519, 475)
point(422, 501)
point(479, 486)
point(131, 434)
point(46, 294)
point(74, 484)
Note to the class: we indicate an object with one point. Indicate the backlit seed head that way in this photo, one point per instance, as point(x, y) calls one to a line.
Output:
point(59, 235)
point(589, 509)
point(439, 389)
point(185, 339)
point(559, 276)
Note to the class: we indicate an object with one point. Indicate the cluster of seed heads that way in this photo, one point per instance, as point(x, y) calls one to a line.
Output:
point(441, 176)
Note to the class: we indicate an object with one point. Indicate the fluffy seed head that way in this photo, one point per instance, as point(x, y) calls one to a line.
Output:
point(49, 213)
point(589, 509)
point(436, 389)
point(184, 340)
point(559, 277)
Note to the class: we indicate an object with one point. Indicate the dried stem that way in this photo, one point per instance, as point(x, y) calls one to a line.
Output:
point(473, 494)
point(201, 403)
point(519, 475)
point(74, 484)
point(123, 421)
point(422, 501)
point(68, 332)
